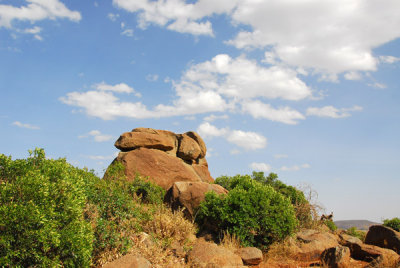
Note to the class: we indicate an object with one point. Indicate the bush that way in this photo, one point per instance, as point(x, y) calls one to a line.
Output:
point(41, 213)
point(297, 198)
point(393, 223)
point(356, 233)
point(331, 225)
point(255, 213)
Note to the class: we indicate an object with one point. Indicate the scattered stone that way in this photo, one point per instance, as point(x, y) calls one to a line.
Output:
point(188, 195)
point(337, 257)
point(250, 255)
point(205, 254)
point(384, 237)
point(129, 261)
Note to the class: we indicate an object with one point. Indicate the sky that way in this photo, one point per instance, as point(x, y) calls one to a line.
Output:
point(307, 89)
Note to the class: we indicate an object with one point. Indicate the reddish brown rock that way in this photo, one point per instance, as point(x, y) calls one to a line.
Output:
point(205, 254)
point(384, 237)
point(337, 257)
point(202, 171)
point(311, 243)
point(129, 261)
point(200, 141)
point(188, 149)
point(158, 166)
point(188, 195)
point(250, 255)
point(133, 140)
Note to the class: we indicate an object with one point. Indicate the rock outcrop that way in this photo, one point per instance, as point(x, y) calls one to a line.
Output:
point(384, 237)
point(163, 156)
point(188, 195)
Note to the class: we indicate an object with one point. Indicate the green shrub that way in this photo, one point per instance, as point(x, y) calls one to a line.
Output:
point(41, 213)
point(356, 233)
point(393, 223)
point(331, 225)
point(297, 198)
point(255, 213)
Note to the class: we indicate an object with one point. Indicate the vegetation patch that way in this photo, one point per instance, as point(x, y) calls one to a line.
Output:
point(393, 223)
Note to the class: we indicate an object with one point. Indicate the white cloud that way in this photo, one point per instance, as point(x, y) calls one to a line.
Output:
point(295, 167)
point(102, 157)
point(120, 88)
point(207, 130)
point(389, 59)
point(328, 37)
point(22, 125)
point(36, 10)
point(244, 79)
point(34, 30)
point(378, 85)
point(152, 77)
point(247, 140)
point(332, 112)
point(105, 105)
point(127, 32)
point(97, 135)
point(244, 139)
point(213, 117)
point(260, 167)
point(286, 115)
point(112, 16)
point(177, 15)
point(353, 76)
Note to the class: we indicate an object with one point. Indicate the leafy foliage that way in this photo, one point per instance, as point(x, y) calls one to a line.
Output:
point(393, 223)
point(356, 233)
point(297, 198)
point(331, 225)
point(53, 214)
point(255, 213)
point(41, 213)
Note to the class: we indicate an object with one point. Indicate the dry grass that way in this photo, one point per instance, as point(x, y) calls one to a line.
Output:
point(230, 242)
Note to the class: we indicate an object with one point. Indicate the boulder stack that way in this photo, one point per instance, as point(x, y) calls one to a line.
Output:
point(163, 156)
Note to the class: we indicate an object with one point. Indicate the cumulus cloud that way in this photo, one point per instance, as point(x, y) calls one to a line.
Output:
point(244, 139)
point(260, 167)
point(36, 10)
point(97, 135)
point(326, 36)
point(244, 79)
point(127, 32)
point(295, 167)
point(22, 125)
point(332, 112)
point(120, 88)
point(286, 115)
point(177, 15)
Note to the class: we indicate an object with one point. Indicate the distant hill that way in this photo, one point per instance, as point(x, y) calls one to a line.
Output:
point(359, 224)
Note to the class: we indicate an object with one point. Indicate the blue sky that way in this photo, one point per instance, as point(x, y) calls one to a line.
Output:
point(306, 89)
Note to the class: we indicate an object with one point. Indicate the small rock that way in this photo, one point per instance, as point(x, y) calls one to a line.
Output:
point(250, 255)
point(129, 261)
point(337, 257)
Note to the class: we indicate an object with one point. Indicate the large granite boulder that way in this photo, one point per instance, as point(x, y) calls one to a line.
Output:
point(188, 195)
point(337, 257)
point(384, 237)
point(163, 156)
